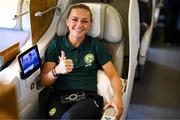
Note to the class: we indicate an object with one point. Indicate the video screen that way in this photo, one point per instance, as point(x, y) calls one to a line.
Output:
point(29, 61)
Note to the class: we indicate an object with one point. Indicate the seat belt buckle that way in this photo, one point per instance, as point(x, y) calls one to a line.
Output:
point(74, 97)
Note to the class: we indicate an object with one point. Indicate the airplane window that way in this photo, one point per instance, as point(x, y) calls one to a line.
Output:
point(17, 29)
point(13, 29)
point(8, 9)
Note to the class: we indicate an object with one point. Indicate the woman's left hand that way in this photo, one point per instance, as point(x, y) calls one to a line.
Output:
point(117, 103)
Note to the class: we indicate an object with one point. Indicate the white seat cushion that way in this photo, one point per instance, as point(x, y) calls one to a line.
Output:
point(105, 21)
point(97, 26)
point(104, 86)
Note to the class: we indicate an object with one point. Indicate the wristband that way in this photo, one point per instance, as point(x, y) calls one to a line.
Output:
point(54, 73)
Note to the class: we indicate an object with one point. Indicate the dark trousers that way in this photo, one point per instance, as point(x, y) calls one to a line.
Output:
point(89, 108)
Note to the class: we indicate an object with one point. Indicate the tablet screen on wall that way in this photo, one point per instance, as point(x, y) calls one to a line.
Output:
point(29, 61)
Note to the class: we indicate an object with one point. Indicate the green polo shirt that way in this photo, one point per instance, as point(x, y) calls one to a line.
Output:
point(88, 57)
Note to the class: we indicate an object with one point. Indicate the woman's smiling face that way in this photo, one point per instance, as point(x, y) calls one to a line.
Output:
point(78, 23)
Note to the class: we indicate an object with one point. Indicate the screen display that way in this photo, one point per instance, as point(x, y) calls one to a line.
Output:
point(29, 61)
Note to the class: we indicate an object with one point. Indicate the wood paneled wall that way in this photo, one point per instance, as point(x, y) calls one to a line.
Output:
point(40, 24)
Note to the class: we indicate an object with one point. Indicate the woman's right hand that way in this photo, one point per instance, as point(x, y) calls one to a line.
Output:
point(65, 65)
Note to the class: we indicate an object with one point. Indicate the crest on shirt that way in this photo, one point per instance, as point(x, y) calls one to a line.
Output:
point(89, 59)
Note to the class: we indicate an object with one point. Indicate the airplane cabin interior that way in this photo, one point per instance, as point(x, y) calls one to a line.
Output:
point(131, 30)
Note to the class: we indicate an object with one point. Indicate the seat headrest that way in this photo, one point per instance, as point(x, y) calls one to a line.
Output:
point(97, 26)
point(106, 25)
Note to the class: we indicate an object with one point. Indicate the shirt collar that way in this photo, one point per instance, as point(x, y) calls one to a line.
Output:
point(66, 42)
point(81, 46)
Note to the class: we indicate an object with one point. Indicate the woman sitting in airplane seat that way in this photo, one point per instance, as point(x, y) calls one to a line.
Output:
point(71, 65)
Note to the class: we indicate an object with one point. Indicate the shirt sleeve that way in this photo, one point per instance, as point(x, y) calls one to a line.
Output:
point(102, 55)
point(51, 51)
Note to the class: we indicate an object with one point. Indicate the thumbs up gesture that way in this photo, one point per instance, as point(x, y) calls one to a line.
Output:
point(65, 65)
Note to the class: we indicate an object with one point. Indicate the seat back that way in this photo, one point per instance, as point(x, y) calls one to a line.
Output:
point(146, 38)
point(107, 26)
